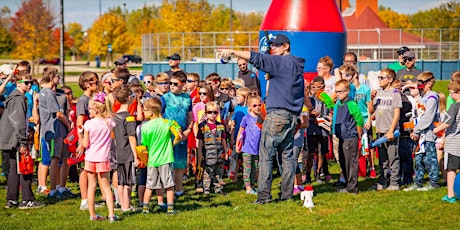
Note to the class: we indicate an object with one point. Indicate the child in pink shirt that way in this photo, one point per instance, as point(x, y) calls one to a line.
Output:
point(97, 142)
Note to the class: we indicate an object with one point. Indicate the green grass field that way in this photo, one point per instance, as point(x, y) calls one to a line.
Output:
point(367, 210)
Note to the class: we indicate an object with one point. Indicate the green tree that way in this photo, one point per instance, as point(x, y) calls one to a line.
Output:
point(75, 32)
point(6, 41)
point(394, 20)
point(446, 16)
point(145, 20)
point(108, 29)
point(31, 28)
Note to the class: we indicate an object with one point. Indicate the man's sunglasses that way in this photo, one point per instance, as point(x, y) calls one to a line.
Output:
point(26, 82)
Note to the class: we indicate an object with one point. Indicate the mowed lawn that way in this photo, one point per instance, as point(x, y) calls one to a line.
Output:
point(367, 210)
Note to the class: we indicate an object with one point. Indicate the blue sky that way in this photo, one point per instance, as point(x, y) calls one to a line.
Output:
point(86, 11)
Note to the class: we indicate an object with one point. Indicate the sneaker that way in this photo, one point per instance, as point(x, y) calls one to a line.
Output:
point(145, 210)
point(171, 211)
point(251, 191)
point(56, 196)
point(412, 188)
point(393, 188)
point(69, 194)
point(294, 192)
point(99, 204)
point(41, 190)
point(448, 199)
point(163, 207)
point(97, 217)
point(372, 174)
point(11, 204)
point(30, 204)
point(426, 188)
point(319, 181)
point(113, 218)
point(117, 206)
point(339, 184)
point(179, 194)
point(343, 190)
point(377, 187)
point(261, 202)
point(84, 206)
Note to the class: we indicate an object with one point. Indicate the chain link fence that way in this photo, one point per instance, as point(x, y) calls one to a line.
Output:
point(370, 44)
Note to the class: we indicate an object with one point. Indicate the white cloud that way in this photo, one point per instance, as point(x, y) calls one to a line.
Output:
point(432, 4)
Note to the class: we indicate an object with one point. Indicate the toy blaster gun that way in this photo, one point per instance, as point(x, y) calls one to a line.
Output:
point(410, 125)
point(324, 97)
point(364, 145)
point(199, 175)
point(383, 140)
point(323, 123)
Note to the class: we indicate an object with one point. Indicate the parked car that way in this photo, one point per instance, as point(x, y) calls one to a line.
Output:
point(132, 58)
point(52, 61)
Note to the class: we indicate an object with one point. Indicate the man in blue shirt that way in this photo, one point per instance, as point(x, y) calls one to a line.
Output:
point(283, 103)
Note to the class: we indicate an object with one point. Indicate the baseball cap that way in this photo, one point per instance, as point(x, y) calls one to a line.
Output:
point(6, 69)
point(174, 56)
point(402, 50)
point(280, 39)
point(120, 61)
point(409, 55)
point(133, 80)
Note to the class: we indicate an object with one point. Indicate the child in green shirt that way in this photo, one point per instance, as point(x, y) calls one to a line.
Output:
point(156, 136)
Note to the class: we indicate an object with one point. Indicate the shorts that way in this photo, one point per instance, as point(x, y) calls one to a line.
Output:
point(180, 156)
point(453, 162)
point(125, 174)
point(113, 156)
point(97, 167)
point(50, 149)
point(142, 176)
point(160, 177)
point(314, 141)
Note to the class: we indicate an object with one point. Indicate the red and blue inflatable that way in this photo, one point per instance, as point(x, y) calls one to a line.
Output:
point(315, 29)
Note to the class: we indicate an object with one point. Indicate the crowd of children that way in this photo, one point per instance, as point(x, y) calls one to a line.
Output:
point(208, 128)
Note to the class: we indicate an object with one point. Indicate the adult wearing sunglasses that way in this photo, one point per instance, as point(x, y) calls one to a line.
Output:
point(410, 73)
point(283, 103)
point(400, 64)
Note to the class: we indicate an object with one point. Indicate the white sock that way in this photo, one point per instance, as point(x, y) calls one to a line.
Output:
point(117, 198)
point(84, 201)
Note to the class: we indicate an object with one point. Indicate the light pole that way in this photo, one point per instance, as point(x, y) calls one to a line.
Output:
point(231, 34)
